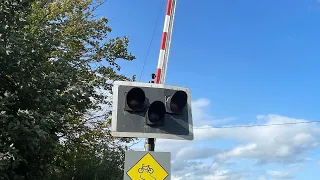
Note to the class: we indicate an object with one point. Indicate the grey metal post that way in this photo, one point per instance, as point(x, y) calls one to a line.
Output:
point(149, 144)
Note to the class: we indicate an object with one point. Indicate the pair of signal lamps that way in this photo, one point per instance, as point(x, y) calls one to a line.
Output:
point(174, 104)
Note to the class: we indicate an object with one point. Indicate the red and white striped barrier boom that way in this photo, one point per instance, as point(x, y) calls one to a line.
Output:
point(165, 43)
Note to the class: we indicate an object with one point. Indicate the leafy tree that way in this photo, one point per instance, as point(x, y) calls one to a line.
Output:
point(57, 66)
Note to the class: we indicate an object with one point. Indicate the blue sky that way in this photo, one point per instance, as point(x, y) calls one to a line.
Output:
point(247, 61)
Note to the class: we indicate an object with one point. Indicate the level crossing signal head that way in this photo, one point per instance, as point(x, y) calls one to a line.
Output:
point(151, 111)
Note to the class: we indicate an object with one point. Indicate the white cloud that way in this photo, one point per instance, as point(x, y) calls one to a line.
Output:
point(224, 175)
point(280, 174)
point(240, 151)
point(197, 170)
point(262, 178)
point(286, 145)
point(201, 103)
point(202, 117)
point(278, 144)
point(192, 170)
point(192, 153)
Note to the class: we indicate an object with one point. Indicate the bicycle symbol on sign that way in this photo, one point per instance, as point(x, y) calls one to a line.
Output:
point(146, 172)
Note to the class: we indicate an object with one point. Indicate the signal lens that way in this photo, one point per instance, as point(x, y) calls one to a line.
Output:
point(136, 99)
point(178, 101)
point(156, 112)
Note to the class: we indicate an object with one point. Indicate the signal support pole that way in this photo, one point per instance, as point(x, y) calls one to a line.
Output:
point(163, 56)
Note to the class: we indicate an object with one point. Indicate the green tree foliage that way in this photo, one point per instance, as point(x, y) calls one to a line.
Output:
point(57, 65)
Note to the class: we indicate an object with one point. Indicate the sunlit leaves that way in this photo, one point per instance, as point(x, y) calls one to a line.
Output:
point(54, 55)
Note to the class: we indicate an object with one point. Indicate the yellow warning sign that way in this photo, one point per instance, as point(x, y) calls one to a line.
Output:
point(147, 168)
